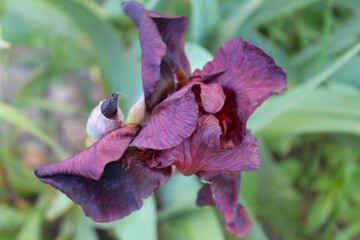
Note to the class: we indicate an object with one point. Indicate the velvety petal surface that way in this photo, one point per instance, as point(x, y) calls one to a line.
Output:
point(223, 192)
point(202, 151)
point(162, 43)
point(246, 74)
point(91, 162)
point(173, 120)
point(119, 191)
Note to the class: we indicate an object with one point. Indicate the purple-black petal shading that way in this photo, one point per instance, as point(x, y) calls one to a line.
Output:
point(202, 151)
point(91, 162)
point(118, 192)
point(162, 43)
point(223, 192)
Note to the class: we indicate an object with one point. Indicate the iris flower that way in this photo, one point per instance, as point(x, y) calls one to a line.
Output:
point(197, 122)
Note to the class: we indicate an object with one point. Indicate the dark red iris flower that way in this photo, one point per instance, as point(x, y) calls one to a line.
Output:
point(197, 123)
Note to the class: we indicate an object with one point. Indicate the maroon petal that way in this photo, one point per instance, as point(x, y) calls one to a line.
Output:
point(246, 73)
point(223, 192)
point(212, 97)
point(202, 151)
point(119, 191)
point(162, 42)
point(91, 162)
point(170, 122)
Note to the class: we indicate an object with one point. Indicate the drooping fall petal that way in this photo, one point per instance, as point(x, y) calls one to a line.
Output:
point(246, 73)
point(90, 163)
point(202, 151)
point(118, 192)
point(223, 192)
point(162, 44)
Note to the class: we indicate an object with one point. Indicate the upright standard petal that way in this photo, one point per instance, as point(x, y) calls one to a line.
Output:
point(246, 74)
point(163, 57)
point(223, 192)
point(90, 163)
point(202, 151)
point(118, 192)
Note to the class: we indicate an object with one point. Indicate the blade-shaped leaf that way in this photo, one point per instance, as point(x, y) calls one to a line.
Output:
point(333, 109)
point(13, 116)
point(204, 17)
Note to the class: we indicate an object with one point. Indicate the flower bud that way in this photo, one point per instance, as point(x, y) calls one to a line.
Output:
point(138, 113)
point(105, 117)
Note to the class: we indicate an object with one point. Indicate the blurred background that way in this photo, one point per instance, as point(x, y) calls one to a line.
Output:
point(59, 58)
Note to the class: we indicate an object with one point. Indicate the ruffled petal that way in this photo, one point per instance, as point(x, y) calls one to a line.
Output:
point(202, 151)
point(119, 191)
point(172, 121)
point(90, 163)
point(162, 43)
point(223, 192)
point(246, 73)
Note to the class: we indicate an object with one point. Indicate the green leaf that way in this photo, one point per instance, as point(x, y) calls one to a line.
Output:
point(332, 109)
point(349, 232)
point(10, 220)
point(197, 55)
point(119, 69)
point(21, 178)
point(319, 212)
point(237, 18)
point(274, 9)
point(180, 217)
point(271, 109)
point(264, 192)
point(351, 29)
point(204, 17)
point(58, 206)
point(178, 196)
point(198, 224)
point(349, 73)
point(11, 115)
point(22, 23)
point(84, 230)
point(139, 225)
point(32, 227)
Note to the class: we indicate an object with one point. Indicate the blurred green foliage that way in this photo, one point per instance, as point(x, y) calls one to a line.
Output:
point(307, 187)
